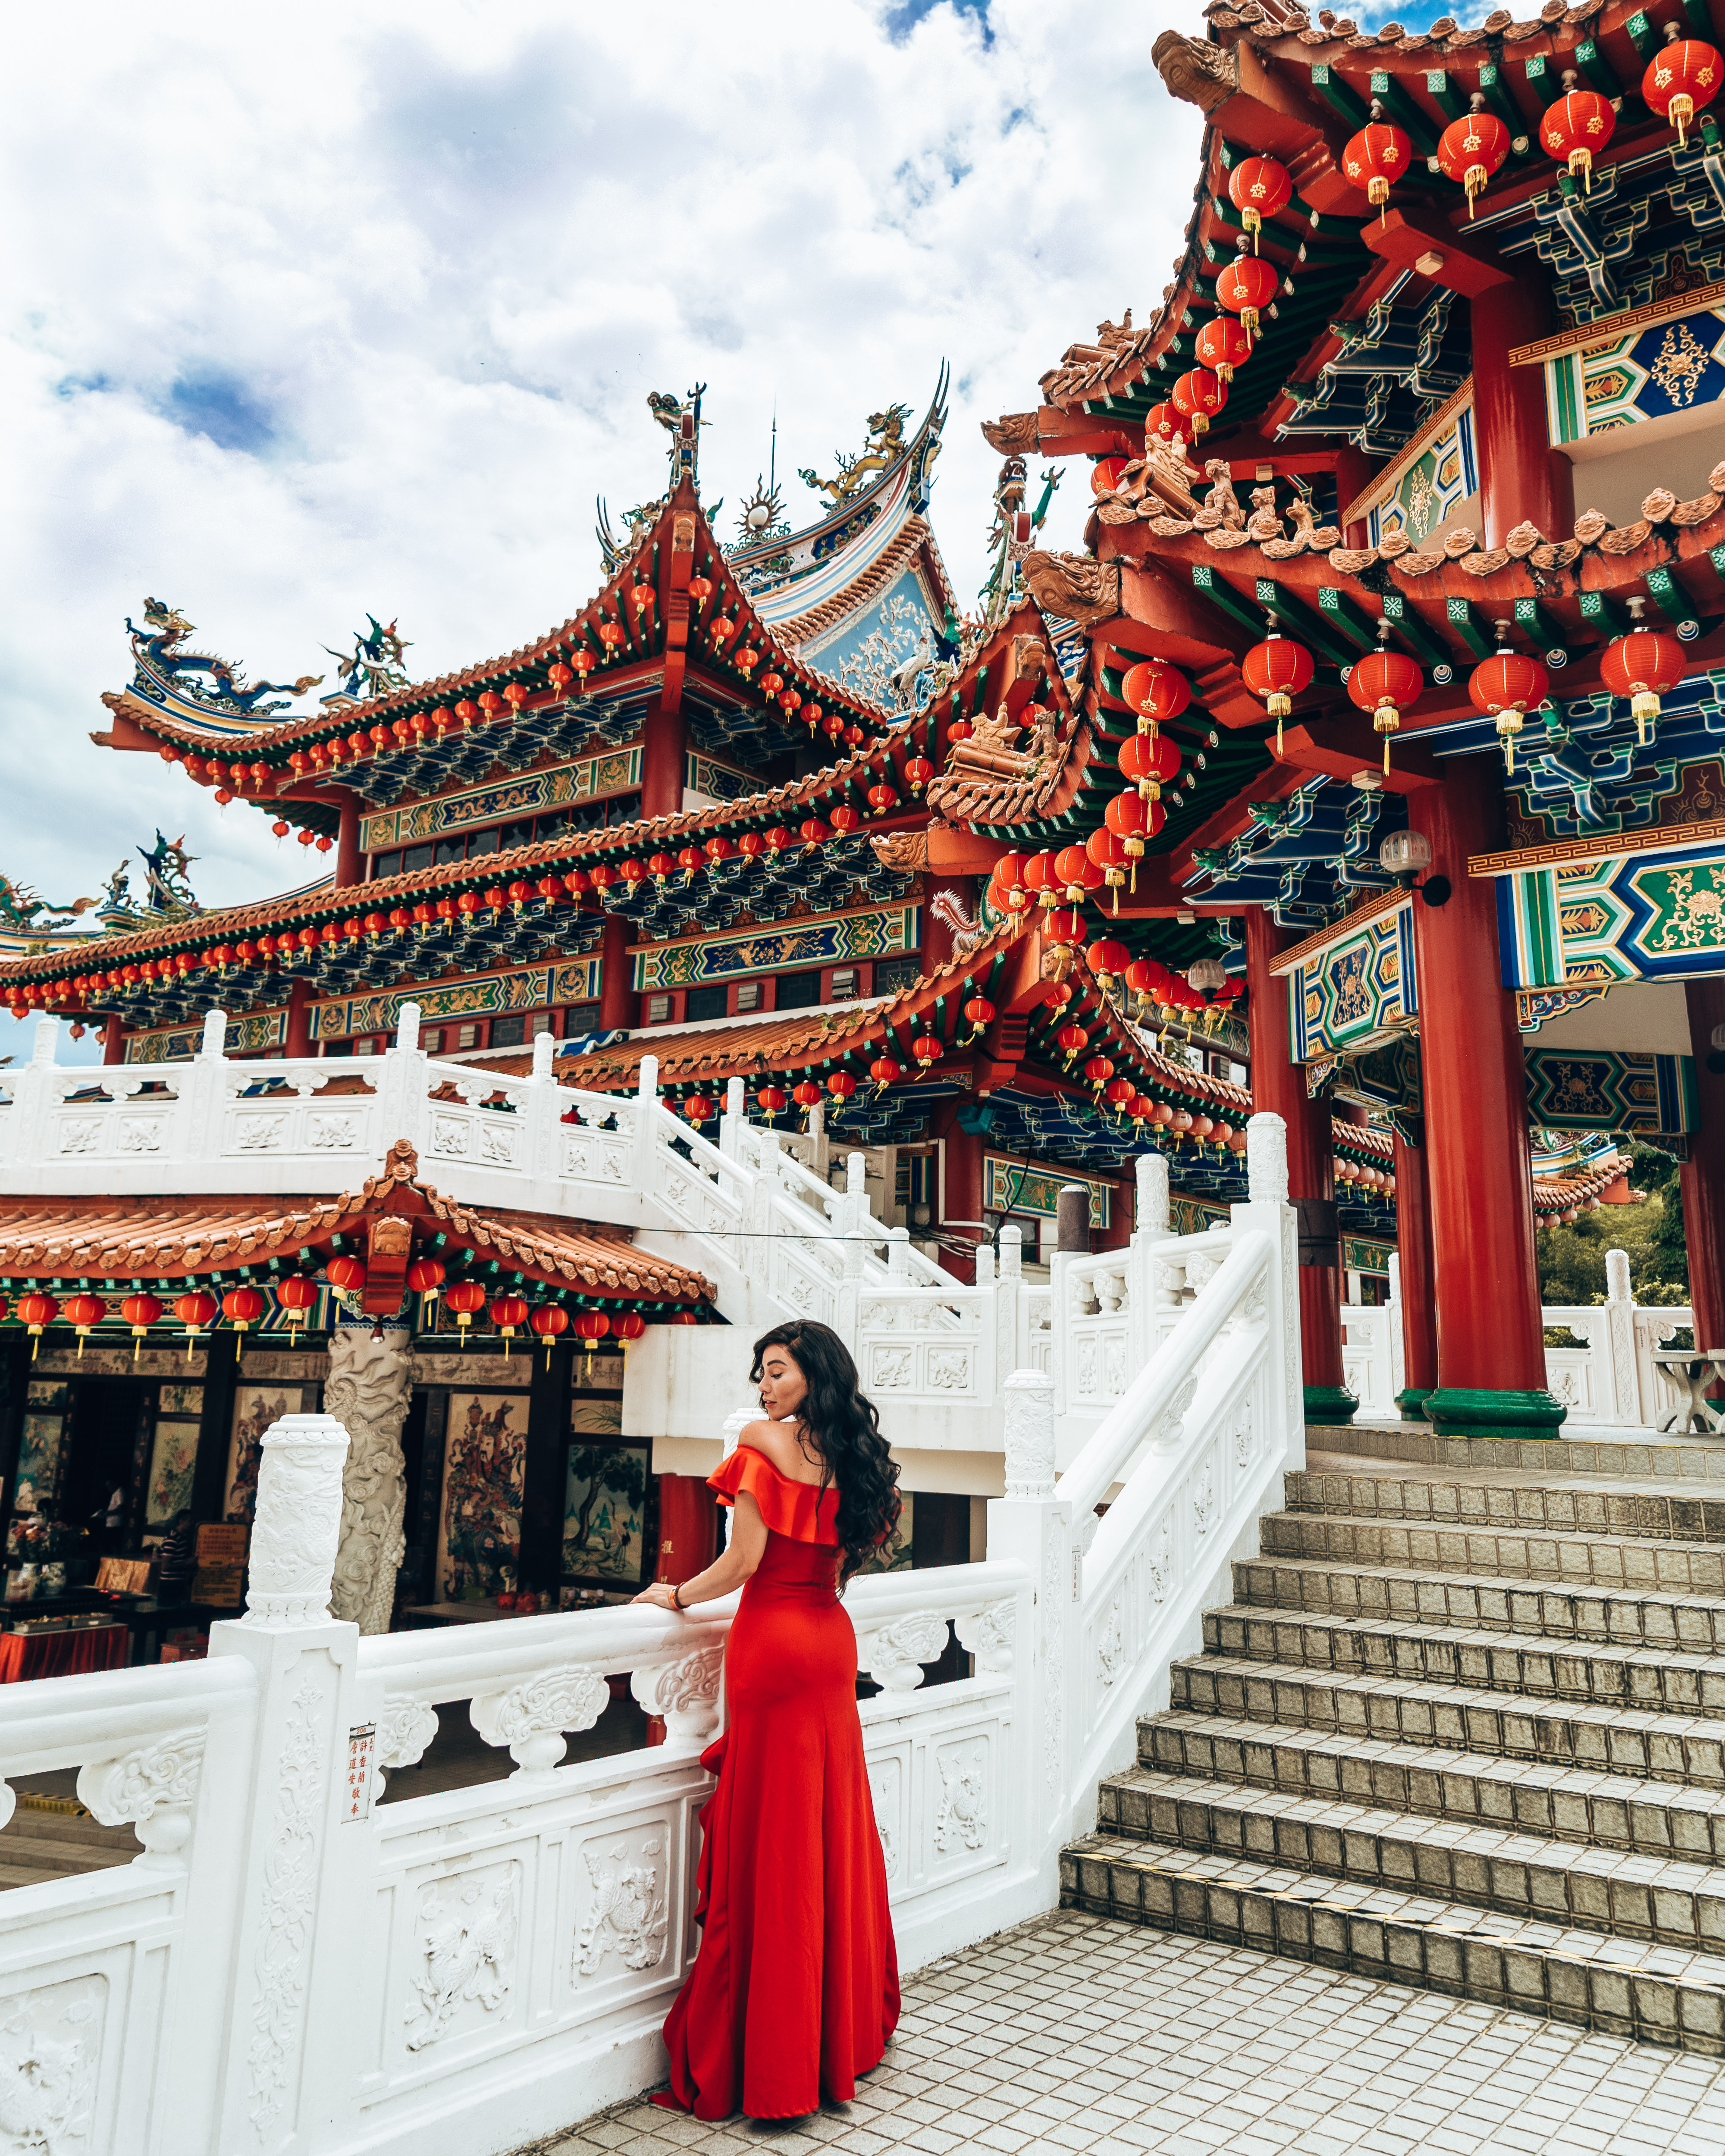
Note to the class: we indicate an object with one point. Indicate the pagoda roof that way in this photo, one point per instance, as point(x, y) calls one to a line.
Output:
point(669, 634)
point(100, 1241)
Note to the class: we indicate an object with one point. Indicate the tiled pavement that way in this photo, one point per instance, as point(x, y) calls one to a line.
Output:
point(1079, 2033)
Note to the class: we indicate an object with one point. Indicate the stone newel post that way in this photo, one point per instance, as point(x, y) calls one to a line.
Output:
point(370, 1390)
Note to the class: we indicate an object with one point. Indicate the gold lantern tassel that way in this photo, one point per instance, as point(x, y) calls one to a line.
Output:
point(1251, 220)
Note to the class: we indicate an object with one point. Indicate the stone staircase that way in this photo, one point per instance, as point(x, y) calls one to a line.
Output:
point(1462, 1728)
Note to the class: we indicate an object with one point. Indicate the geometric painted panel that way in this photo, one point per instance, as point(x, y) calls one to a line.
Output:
point(1357, 993)
point(1009, 1187)
point(533, 989)
point(1438, 481)
point(1670, 365)
point(1600, 1089)
point(555, 787)
point(178, 1043)
point(1650, 916)
point(879, 932)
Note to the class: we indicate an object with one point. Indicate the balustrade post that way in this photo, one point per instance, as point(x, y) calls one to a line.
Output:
point(1267, 1208)
point(197, 1118)
point(898, 1256)
point(1032, 1524)
point(296, 1978)
point(731, 1120)
point(25, 1127)
point(1012, 1348)
point(647, 1138)
point(1152, 1223)
point(820, 1158)
point(403, 1109)
point(1617, 1347)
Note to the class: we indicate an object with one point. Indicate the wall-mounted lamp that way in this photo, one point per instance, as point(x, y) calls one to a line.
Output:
point(1402, 854)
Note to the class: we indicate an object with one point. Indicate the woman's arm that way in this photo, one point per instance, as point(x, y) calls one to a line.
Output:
point(746, 1548)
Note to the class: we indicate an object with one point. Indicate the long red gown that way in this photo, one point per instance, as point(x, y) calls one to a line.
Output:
point(795, 1992)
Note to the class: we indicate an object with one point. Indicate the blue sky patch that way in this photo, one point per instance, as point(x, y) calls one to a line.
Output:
point(222, 408)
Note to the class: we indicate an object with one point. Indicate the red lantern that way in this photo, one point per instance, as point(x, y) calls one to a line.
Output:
point(38, 1311)
point(1149, 760)
point(1156, 691)
point(1117, 1092)
point(426, 1276)
point(1105, 473)
point(464, 1299)
point(83, 1311)
point(549, 1321)
point(1064, 926)
point(296, 1294)
point(806, 1095)
point(194, 1312)
point(978, 1012)
point(1133, 819)
point(928, 1048)
point(1376, 158)
point(242, 1307)
point(1108, 853)
point(1072, 1039)
point(507, 1312)
point(1106, 958)
point(1039, 877)
point(701, 589)
point(1199, 396)
point(918, 770)
point(1578, 127)
point(958, 729)
point(279, 829)
point(1222, 346)
point(814, 833)
point(690, 859)
point(1471, 149)
point(1164, 428)
point(591, 1327)
point(844, 818)
point(1246, 287)
point(660, 865)
point(1643, 666)
point(1259, 187)
point(1507, 687)
point(629, 1326)
point(611, 635)
point(1681, 80)
point(881, 798)
point(1385, 683)
point(772, 1100)
point(1276, 670)
point(699, 1109)
point(841, 1085)
point(140, 1313)
point(1078, 874)
point(1099, 1070)
point(885, 1070)
point(1007, 885)
point(346, 1275)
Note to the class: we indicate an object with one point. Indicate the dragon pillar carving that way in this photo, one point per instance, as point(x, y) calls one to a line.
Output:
point(370, 1387)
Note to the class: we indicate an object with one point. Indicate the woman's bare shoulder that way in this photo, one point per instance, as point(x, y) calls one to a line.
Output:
point(772, 1439)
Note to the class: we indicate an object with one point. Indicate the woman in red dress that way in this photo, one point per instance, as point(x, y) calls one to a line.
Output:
point(795, 1992)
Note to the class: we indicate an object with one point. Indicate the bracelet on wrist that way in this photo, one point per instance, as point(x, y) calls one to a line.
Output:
point(676, 1595)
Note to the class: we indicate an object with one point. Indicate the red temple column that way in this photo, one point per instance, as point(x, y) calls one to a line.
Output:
point(1484, 1277)
point(299, 1018)
point(618, 1005)
point(347, 842)
point(1354, 471)
point(1279, 1088)
point(1522, 478)
point(961, 1196)
point(1413, 1249)
point(1703, 1178)
point(664, 740)
point(113, 1042)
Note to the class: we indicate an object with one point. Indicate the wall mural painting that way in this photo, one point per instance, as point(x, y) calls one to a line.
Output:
point(42, 1450)
point(173, 1455)
point(605, 1514)
point(479, 1534)
point(255, 1407)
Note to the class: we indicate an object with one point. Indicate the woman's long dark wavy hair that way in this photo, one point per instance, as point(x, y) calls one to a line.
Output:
point(842, 1421)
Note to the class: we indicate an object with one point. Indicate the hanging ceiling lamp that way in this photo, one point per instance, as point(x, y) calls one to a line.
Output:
point(1505, 687)
point(1275, 671)
point(1472, 148)
point(1385, 683)
point(1259, 187)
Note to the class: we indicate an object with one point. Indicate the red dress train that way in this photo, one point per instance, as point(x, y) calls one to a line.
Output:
point(795, 1992)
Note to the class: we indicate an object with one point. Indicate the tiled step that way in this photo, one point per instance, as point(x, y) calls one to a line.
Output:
point(1468, 1789)
point(1664, 1747)
point(1510, 1502)
point(1603, 1672)
point(1670, 1457)
point(1672, 1900)
point(1633, 1988)
point(1692, 1623)
point(1611, 1562)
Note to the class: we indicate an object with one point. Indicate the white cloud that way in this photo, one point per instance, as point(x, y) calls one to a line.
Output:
point(352, 308)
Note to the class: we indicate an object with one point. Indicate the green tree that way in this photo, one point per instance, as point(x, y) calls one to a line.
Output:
point(1572, 1259)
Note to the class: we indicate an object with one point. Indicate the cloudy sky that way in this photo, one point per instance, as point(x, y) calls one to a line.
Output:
point(358, 308)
